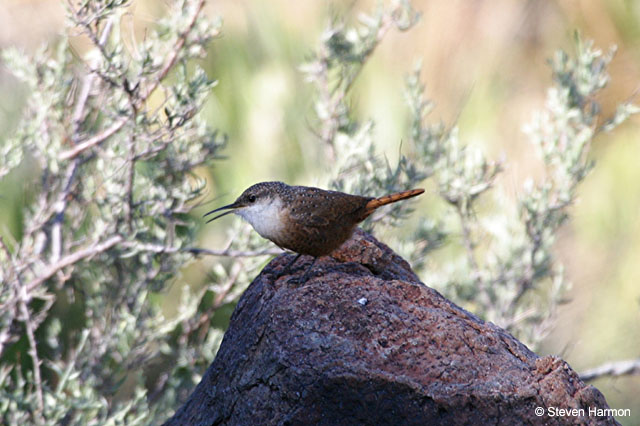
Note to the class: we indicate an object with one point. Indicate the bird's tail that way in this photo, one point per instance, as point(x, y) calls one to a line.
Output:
point(392, 198)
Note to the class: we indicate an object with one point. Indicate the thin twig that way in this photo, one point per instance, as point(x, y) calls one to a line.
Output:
point(95, 140)
point(9, 310)
point(129, 182)
point(72, 362)
point(525, 282)
point(236, 268)
point(61, 206)
point(173, 55)
point(118, 124)
point(469, 246)
point(12, 265)
point(158, 248)
point(221, 294)
point(331, 125)
point(87, 84)
point(33, 350)
point(617, 368)
point(384, 27)
point(72, 258)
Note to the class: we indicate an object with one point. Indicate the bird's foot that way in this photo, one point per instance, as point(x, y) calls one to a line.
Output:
point(305, 277)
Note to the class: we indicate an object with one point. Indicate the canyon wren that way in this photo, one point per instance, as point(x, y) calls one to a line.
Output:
point(305, 220)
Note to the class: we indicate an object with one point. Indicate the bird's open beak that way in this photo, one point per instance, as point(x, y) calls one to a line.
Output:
point(231, 207)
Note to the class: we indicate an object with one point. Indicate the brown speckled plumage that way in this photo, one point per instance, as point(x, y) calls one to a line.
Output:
point(303, 219)
point(320, 221)
point(306, 220)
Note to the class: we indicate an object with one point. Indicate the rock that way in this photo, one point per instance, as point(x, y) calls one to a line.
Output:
point(362, 341)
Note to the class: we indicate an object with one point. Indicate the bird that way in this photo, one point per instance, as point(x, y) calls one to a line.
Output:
point(305, 220)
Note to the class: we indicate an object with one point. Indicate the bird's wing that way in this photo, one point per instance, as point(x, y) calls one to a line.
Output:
point(326, 209)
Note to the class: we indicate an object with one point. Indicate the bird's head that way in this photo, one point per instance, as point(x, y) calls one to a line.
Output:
point(259, 204)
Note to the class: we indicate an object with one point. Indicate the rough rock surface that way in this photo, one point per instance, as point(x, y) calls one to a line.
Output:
point(364, 342)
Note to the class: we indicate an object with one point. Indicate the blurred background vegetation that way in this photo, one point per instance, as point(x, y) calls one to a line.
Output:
point(484, 64)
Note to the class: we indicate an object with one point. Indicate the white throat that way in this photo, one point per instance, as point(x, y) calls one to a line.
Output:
point(264, 216)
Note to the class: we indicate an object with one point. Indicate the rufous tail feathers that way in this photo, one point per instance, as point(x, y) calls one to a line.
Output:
point(392, 198)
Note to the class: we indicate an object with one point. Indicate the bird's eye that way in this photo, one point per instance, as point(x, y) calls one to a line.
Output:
point(251, 198)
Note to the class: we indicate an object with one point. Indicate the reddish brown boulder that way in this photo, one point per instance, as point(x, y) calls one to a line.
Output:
point(364, 342)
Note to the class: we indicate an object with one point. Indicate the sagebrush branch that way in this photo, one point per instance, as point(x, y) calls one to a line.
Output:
point(72, 258)
point(142, 97)
point(616, 368)
point(158, 248)
point(94, 140)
